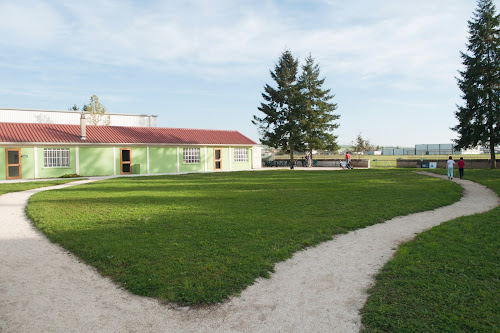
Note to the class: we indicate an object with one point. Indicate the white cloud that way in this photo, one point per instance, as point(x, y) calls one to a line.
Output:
point(218, 37)
point(29, 25)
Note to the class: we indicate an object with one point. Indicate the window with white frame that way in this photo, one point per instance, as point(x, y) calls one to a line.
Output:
point(191, 155)
point(240, 154)
point(56, 157)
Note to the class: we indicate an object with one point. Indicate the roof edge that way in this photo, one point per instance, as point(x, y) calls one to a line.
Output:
point(90, 144)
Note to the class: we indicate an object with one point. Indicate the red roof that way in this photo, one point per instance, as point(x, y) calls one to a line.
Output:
point(56, 133)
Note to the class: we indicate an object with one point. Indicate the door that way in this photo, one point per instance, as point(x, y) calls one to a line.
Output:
point(125, 161)
point(13, 163)
point(217, 159)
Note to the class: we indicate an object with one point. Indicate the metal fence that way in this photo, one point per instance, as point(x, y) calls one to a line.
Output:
point(432, 149)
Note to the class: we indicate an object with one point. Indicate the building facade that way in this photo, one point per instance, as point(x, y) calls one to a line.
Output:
point(32, 151)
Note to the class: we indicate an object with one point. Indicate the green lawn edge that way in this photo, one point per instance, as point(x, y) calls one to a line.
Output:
point(446, 280)
point(29, 185)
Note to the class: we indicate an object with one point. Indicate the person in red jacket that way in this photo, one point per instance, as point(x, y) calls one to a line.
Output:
point(461, 165)
point(348, 160)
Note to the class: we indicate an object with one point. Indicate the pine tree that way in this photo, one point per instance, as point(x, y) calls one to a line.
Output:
point(280, 125)
point(361, 145)
point(318, 111)
point(480, 82)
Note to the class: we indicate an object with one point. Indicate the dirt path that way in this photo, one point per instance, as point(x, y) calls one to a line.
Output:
point(45, 289)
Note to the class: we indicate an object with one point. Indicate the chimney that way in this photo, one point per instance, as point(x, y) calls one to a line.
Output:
point(83, 127)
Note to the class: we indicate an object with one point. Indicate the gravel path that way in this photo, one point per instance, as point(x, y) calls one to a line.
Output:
point(45, 289)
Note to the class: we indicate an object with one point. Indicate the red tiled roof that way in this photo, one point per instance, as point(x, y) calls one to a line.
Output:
point(56, 133)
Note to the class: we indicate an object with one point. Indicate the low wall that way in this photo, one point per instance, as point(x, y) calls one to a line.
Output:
point(360, 163)
point(323, 163)
point(441, 164)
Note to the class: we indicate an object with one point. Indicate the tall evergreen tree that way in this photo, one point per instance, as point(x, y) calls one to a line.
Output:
point(318, 110)
point(480, 82)
point(280, 125)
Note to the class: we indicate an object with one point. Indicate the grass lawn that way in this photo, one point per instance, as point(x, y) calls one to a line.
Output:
point(199, 238)
point(16, 187)
point(446, 280)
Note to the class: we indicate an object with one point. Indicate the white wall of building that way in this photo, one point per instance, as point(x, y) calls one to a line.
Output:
point(256, 158)
point(71, 117)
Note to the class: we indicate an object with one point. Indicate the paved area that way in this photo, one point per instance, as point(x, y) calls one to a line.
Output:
point(45, 289)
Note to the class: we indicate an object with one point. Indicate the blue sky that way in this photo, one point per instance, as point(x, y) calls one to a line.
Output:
point(203, 64)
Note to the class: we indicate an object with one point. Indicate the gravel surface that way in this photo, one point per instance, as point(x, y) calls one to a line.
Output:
point(43, 288)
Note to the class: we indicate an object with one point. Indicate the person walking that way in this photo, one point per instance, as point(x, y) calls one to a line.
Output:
point(449, 164)
point(461, 166)
point(348, 160)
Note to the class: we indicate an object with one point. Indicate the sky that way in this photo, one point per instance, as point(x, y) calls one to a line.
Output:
point(391, 64)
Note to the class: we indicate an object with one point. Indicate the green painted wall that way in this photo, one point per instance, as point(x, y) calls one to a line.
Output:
point(195, 167)
point(237, 166)
point(162, 159)
point(117, 161)
point(3, 172)
point(96, 161)
point(225, 159)
point(28, 162)
point(44, 172)
point(139, 160)
point(228, 163)
point(210, 158)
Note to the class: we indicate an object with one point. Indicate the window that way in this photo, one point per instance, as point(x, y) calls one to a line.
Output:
point(56, 157)
point(191, 155)
point(241, 155)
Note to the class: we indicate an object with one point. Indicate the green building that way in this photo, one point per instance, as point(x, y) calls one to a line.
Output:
point(33, 151)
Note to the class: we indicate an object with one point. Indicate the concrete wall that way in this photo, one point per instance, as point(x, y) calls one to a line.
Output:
point(334, 163)
point(360, 163)
point(326, 163)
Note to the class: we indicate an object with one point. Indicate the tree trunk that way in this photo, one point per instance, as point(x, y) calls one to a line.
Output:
point(310, 161)
point(493, 163)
